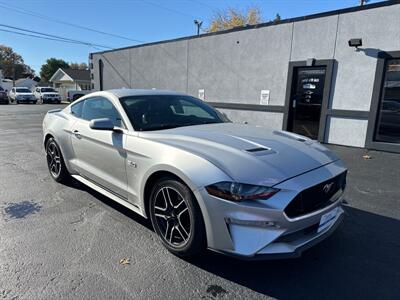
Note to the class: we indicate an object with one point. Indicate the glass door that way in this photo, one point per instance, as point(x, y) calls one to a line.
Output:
point(388, 126)
point(306, 100)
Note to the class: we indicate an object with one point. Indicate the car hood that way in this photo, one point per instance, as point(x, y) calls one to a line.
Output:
point(50, 93)
point(248, 154)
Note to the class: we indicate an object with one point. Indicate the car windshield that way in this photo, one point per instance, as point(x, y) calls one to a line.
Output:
point(22, 90)
point(156, 112)
point(47, 90)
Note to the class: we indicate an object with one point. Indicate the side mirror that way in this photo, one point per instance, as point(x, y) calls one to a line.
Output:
point(101, 124)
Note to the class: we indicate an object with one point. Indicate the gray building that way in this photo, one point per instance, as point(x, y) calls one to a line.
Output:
point(298, 74)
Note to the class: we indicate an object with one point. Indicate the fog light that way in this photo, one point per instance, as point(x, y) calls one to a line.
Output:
point(254, 223)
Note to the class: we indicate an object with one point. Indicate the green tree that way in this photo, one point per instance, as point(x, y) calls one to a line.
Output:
point(50, 67)
point(12, 64)
point(234, 18)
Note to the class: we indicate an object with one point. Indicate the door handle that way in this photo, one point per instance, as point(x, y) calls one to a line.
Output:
point(77, 134)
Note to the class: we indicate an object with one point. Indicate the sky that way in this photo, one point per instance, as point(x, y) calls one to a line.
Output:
point(138, 20)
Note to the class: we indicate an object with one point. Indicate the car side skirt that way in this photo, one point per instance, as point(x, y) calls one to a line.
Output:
point(108, 194)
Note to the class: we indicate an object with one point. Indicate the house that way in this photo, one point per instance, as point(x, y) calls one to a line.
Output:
point(65, 80)
point(333, 76)
point(26, 82)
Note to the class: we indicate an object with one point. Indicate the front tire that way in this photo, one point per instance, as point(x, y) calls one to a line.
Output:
point(55, 162)
point(176, 218)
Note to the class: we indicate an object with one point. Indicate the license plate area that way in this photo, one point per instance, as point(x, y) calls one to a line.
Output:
point(327, 219)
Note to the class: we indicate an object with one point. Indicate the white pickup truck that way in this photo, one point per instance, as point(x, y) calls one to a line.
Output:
point(47, 95)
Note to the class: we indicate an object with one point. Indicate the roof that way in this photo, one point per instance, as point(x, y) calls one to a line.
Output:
point(77, 75)
point(271, 23)
point(23, 79)
point(140, 92)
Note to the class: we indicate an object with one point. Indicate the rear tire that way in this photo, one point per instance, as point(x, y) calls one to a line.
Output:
point(176, 218)
point(55, 162)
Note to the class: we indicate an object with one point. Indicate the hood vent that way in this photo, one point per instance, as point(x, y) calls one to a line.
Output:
point(260, 151)
point(257, 149)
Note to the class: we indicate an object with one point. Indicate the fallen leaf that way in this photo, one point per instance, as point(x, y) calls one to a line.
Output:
point(125, 261)
point(366, 156)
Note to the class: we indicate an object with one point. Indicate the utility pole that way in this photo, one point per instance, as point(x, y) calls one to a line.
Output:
point(13, 70)
point(198, 24)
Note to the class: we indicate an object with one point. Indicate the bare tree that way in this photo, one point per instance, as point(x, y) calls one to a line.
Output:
point(231, 18)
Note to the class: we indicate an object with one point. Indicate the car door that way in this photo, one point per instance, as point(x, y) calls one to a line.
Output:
point(99, 154)
point(12, 94)
point(37, 93)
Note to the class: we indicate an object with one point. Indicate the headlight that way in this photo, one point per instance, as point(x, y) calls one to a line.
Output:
point(240, 192)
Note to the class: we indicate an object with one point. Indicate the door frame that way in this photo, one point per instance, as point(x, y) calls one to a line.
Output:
point(370, 142)
point(329, 64)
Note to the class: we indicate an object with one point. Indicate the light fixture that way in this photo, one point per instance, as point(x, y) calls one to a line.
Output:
point(198, 24)
point(355, 43)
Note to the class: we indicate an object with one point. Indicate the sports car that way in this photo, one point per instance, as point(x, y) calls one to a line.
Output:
point(203, 181)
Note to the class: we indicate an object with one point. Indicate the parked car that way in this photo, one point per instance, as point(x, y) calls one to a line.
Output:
point(21, 95)
point(47, 95)
point(6, 84)
point(73, 95)
point(3, 96)
point(203, 181)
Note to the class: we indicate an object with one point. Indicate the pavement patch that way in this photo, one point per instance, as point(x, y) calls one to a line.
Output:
point(20, 210)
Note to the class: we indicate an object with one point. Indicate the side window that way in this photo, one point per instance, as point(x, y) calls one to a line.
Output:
point(76, 109)
point(97, 108)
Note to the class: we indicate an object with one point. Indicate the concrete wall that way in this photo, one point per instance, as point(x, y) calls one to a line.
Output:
point(234, 67)
point(380, 31)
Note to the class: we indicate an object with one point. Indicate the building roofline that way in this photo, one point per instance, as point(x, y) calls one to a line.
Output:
point(59, 69)
point(266, 24)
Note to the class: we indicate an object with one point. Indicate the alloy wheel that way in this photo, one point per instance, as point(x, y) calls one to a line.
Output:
point(53, 159)
point(172, 216)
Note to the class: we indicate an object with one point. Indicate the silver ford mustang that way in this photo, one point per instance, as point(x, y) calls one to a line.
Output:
point(203, 181)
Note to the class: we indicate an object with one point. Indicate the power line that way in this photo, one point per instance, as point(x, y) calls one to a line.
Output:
point(55, 36)
point(170, 9)
point(40, 37)
point(210, 7)
point(48, 18)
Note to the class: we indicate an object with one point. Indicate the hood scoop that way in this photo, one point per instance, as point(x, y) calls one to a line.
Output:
point(259, 151)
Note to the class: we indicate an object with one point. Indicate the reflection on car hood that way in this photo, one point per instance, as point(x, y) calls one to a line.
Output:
point(248, 154)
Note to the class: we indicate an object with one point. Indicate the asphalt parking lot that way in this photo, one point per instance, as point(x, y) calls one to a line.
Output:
point(61, 241)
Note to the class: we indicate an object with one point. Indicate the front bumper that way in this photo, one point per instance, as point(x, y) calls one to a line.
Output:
point(262, 230)
point(26, 100)
point(51, 100)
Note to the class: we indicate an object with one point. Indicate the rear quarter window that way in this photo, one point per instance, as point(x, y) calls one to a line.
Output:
point(76, 109)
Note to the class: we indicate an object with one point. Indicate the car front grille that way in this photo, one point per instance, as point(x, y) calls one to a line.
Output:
point(316, 197)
